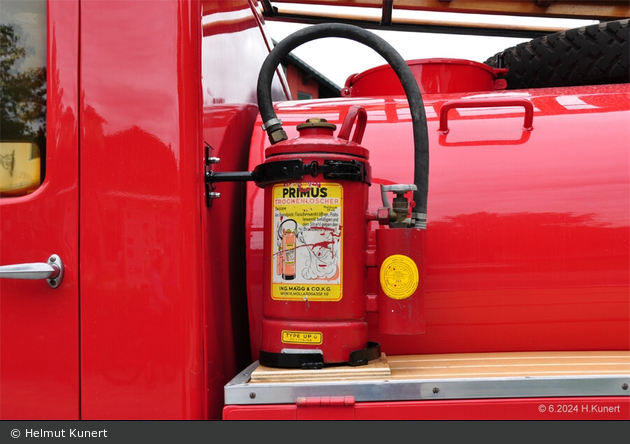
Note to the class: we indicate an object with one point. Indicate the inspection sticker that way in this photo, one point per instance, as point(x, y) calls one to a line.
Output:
point(399, 276)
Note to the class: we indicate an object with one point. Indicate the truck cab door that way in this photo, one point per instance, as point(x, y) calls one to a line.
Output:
point(39, 318)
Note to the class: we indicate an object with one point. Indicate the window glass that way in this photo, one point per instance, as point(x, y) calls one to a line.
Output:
point(23, 93)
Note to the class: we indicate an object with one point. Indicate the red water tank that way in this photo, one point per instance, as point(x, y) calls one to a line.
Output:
point(527, 238)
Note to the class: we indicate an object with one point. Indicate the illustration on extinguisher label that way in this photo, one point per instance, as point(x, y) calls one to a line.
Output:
point(307, 223)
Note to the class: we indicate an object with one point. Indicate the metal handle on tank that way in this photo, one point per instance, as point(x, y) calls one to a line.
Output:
point(487, 103)
point(359, 114)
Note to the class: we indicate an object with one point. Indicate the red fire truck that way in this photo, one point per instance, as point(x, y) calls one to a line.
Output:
point(181, 240)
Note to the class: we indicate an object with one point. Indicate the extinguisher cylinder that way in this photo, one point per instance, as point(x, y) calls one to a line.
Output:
point(400, 254)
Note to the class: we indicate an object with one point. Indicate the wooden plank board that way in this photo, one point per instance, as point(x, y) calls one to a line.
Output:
point(521, 364)
point(376, 369)
point(463, 365)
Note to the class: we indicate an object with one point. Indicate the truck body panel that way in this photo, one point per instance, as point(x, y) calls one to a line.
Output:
point(145, 213)
point(563, 409)
point(527, 241)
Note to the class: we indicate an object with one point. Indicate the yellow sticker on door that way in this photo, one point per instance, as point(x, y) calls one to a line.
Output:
point(399, 276)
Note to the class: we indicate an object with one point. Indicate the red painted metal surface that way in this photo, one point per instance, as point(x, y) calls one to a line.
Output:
point(528, 238)
point(401, 307)
point(162, 309)
point(226, 336)
point(228, 87)
point(433, 76)
point(39, 376)
point(142, 323)
point(580, 408)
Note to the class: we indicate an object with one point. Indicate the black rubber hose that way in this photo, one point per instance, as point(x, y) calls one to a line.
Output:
point(273, 126)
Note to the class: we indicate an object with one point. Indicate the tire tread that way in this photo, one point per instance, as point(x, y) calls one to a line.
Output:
point(589, 55)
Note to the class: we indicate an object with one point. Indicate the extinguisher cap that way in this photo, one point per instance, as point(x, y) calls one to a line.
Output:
point(316, 123)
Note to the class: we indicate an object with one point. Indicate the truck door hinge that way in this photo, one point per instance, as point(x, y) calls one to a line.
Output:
point(208, 162)
point(325, 401)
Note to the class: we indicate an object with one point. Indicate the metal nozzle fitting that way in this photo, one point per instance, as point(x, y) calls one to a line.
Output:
point(277, 136)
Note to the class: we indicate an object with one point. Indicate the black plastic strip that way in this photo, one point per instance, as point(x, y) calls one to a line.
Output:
point(279, 171)
point(362, 357)
point(292, 360)
point(283, 170)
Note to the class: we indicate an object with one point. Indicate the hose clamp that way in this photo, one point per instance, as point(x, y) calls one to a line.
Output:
point(271, 122)
point(421, 220)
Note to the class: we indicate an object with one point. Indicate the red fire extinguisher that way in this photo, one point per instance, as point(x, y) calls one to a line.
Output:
point(314, 286)
point(316, 217)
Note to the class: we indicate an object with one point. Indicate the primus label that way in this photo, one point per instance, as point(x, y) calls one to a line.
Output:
point(307, 241)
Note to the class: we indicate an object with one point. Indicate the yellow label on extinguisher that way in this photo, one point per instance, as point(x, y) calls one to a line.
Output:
point(307, 238)
point(301, 337)
point(399, 276)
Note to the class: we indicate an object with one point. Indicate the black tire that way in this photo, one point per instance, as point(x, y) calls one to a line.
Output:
point(590, 55)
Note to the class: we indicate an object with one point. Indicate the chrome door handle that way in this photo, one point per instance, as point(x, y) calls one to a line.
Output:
point(52, 271)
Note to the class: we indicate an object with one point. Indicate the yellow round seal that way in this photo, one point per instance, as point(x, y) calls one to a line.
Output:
point(399, 276)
